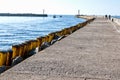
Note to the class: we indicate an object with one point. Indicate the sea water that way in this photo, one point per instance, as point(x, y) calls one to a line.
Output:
point(15, 30)
point(117, 17)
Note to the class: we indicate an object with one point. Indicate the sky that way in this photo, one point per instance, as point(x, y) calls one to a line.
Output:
point(87, 7)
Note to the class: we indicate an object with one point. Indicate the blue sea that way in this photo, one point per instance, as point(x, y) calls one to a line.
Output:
point(117, 17)
point(15, 30)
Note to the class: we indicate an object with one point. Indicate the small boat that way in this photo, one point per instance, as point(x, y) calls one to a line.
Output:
point(54, 16)
point(60, 16)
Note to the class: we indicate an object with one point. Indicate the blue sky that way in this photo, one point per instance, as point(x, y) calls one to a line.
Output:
point(97, 7)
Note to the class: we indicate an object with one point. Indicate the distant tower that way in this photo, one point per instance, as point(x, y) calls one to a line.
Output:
point(78, 12)
point(43, 11)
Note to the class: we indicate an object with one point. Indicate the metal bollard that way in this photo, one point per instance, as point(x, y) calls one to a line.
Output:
point(68, 31)
point(73, 28)
point(58, 33)
point(20, 46)
point(64, 31)
point(80, 25)
point(15, 49)
point(46, 38)
point(39, 41)
point(33, 44)
point(24, 45)
point(28, 48)
point(51, 36)
point(43, 39)
point(3, 58)
point(30, 45)
point(76, 28)
point(9, 58)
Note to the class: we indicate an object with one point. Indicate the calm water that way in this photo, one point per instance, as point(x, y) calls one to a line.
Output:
point(117, 17)
point(15, 30)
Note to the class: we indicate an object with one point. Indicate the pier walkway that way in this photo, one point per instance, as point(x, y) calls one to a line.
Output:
point(90, 53)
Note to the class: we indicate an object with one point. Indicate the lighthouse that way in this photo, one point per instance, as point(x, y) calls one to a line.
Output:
point(78, 12)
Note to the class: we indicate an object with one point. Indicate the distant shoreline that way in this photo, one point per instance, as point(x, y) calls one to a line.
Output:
point(23, 14)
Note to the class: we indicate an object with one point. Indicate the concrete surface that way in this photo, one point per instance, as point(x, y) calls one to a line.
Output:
point(91, 53)
point(116, 20)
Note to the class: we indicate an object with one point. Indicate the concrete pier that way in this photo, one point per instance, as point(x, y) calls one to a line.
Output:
point(91, 53)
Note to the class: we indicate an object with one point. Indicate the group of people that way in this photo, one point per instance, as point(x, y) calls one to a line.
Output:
point(108, 16)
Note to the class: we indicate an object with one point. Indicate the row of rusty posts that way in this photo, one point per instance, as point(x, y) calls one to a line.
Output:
point(23, 49)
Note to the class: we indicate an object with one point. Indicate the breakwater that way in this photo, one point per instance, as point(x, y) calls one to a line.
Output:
point(24, 14)
point(87, 17)
point(23, 50)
